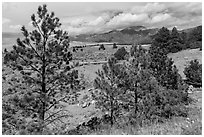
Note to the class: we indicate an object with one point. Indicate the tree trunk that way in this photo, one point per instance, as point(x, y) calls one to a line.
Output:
point(136, 101)
point(112, 107)
point(43, 99)
point(43, 92)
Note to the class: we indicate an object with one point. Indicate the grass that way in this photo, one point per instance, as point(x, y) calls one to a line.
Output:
point(182, 58)
point(179, 58)
point(175, 126)
point(191, 125)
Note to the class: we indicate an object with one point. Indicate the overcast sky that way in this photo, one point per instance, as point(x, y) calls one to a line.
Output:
point(80, 18)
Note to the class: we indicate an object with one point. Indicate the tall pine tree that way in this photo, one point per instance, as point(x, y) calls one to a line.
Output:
point(175, 41)
point(43, 59)
point(162, 66)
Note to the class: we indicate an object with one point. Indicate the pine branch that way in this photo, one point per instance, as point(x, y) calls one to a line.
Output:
point(39, 29)
point(55, 103)
point(35, 50)
point(29, 63)
point(49, 122)
point(51, 88)
point(55, 114)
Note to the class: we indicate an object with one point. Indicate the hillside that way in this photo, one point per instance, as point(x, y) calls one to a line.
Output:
point(134, 34)
point(129, 35)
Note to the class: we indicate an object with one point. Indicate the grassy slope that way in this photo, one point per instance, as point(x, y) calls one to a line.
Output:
point(178, 125)
point(174, 126)
point(192, 125)
point(182, 58)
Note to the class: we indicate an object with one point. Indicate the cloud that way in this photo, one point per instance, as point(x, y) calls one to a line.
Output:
point(15, 27)
point(160, 17)
point(98, 21)
point(147, 14)
point(149, 8)
point(5, 20)
point(126, 19)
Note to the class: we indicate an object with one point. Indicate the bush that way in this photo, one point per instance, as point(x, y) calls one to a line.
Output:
point(176, 47)
point(159, 103)
point(114, 46)
point(193, 72)
point(74, 50)
point(102, 47)
point(120, 54)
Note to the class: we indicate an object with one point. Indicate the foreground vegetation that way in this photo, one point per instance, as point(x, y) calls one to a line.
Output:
point(137, 90)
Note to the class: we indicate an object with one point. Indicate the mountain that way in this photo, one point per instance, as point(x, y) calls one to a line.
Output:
point(129, 35)
point(194, 34)
point(11, 35)
point(133, 29)
point(9, 39)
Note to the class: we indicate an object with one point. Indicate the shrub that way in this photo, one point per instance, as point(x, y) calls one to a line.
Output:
point(114, 46)
point(193, 72)
point(102, 47)
point(120, 53)
point(74, 50)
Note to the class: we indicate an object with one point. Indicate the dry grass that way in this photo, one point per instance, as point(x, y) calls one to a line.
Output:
point(176, 126)
point(182, 58)
point(192, 125)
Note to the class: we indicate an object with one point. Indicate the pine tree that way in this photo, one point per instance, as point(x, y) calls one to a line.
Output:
point(102, 47)
point(120, 54)
point(183, 36)
point(48, 78)
point(162, 66)
point(161, 40)
point(114, 46)
point(108, 81)
point(175, 41)
point(193, 72)
point(138, 64)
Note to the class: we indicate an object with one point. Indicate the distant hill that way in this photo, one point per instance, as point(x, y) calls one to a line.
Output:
point(11, 35)
point(129, 35)
point(194, 34)
point(9, 39)
point(133, 34)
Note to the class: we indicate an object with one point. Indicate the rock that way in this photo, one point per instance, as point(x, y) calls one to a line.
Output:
point(90, 89)
point(84, 105)
point(93, 102)
point(190, 89)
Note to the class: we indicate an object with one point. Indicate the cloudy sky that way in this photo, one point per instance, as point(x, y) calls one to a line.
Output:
point(80, 18)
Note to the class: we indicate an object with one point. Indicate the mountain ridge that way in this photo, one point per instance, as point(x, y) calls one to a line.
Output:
point(127, 35)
